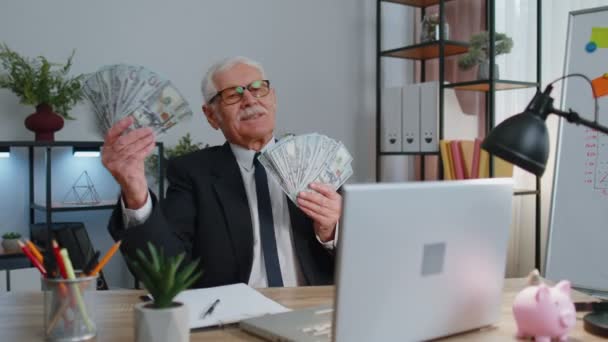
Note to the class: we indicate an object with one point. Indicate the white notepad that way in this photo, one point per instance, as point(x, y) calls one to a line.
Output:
point(237, 302)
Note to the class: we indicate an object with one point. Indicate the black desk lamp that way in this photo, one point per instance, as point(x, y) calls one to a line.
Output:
point(523, 140)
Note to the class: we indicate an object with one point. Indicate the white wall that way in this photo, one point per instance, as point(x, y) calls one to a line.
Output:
point(320, 56)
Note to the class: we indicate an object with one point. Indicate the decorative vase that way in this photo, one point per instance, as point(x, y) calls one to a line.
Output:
point(483, 71)
point(160, 325)
point(44, 122)
point(11, 245)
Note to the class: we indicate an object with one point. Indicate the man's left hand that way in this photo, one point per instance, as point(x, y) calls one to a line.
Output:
point(324, 207)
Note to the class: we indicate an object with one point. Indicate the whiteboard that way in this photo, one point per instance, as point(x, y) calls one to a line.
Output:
point(577, 247)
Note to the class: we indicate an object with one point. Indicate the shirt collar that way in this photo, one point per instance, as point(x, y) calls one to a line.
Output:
point(244, 157)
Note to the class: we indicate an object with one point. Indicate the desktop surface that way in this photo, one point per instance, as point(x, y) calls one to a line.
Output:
point(21, 315)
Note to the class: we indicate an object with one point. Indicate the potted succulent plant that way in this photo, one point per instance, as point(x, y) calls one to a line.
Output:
point(163, 319)
point(478, 53)
point(42, 84)
point(10, 242)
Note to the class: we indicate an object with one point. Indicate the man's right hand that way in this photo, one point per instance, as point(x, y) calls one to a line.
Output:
point(123, 156)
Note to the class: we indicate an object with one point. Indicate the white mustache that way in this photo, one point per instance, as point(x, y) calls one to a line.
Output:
point(249, 112)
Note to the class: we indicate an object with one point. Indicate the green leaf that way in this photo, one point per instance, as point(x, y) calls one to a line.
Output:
point(162, 275)
point(146, 266)
point(154, 256)
point(186, 272)
point(37, 80)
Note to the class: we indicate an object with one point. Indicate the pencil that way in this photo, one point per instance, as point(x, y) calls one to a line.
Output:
point(32, 258)
point(34, 251)
point(106, 258)
point(59, 259)
point(71, 275)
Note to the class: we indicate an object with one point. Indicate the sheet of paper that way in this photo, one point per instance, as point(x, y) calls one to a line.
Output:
point(237, 302)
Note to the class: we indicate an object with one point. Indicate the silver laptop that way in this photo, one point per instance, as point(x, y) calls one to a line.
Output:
point(416, 261)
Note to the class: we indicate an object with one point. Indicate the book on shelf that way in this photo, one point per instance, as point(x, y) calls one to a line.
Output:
point(457, 160)
point(444, 148)
point(464, 159)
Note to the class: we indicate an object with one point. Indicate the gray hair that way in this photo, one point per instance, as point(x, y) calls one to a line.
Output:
point(208, 87)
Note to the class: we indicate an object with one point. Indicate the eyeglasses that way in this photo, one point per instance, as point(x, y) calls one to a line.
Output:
point(234, 95)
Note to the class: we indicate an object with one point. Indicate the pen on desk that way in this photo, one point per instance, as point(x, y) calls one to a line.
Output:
point(209, 311)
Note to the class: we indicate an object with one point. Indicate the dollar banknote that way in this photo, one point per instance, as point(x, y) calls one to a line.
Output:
point(120, 90)
point(296, 161)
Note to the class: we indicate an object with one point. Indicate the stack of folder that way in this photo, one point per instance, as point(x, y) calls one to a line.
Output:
point(464, 159)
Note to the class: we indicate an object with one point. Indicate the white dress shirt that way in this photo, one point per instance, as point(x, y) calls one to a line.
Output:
point(290, 269)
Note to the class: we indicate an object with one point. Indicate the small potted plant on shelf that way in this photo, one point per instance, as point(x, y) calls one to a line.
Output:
point(478, 53)
point(45, 85)
point(10, 242)
point(430, 28)
point(184, 146)
point(163, 319)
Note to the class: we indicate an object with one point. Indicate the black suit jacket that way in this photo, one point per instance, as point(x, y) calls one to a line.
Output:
point(206, 214)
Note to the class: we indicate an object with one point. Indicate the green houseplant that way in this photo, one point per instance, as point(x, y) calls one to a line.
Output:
point(43, 84)
point(164, 277)
point(478, 52)
point(184, 146)
point(10, 242)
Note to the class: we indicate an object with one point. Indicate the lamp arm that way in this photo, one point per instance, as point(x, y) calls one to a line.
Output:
point(575, 118)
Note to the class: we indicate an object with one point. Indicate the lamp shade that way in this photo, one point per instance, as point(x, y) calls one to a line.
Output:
point(523, 140)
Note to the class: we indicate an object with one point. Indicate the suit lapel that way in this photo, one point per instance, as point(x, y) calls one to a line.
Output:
point(230, 190)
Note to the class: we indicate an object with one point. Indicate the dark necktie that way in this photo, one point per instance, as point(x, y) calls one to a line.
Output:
point(269, 242)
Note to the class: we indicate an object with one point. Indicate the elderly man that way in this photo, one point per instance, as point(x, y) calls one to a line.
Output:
point(220, 205)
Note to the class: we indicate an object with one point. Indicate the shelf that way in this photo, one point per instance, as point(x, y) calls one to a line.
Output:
point(427, 50)
point(416, 3)
point(28, 143)
point(408, 153)
point(103, 205)
point(521, 192)
point(484, 85)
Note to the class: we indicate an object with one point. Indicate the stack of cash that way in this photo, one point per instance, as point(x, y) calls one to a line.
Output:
point(120, 90)
point(297, 161)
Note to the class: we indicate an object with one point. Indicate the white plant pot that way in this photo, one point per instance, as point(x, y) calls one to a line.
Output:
point(11, 245)
point(161, 325)
point(483, 71)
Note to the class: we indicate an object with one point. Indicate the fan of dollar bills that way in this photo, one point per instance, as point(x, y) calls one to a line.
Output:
point(297, 161)
point(120, 90)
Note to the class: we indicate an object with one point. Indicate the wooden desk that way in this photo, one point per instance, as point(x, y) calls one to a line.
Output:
point(12, 261)
point(21, 315)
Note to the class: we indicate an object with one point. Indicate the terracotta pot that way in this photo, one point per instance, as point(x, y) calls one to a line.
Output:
point(44, 122)
point(160, 325)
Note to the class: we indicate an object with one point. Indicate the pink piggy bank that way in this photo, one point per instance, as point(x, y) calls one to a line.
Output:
point(544, 312)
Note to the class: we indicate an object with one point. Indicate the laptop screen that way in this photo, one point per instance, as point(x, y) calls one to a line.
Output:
point(421, 260)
